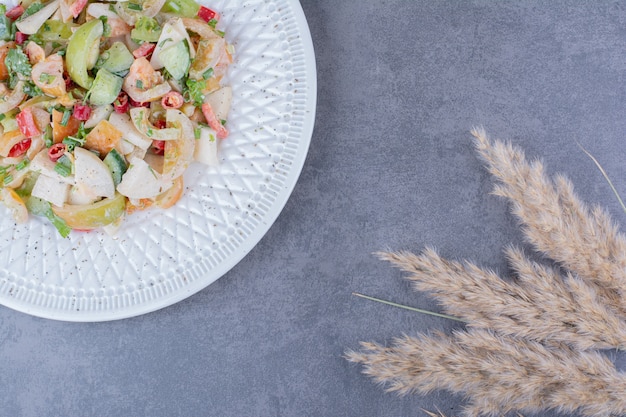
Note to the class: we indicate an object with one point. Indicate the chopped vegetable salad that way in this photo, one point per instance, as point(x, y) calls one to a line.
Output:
point(104, 105)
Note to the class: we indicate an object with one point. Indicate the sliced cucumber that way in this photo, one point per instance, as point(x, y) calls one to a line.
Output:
point(105, 88)
point(176, 60)
point(37, 206)
point(117, 59)
point(116, 164)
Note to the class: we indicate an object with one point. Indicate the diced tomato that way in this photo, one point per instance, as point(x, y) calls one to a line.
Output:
point(172, 100)
point(145, 49)
point(121, 104)
point(15, 12)
point(56, 151)
point(158, 147)
point(26, 123)
point(160, 124)
point(215, 124)
point(207, 14)
point(19, 148)
point(20, 38)
point(82, 112)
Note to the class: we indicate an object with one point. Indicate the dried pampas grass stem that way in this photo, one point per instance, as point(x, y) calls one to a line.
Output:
point(532, 341)
point(499, 374)
point(417, 310)
point(547, 308)
point(556, 222)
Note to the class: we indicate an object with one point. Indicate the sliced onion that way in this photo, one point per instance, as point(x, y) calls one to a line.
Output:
point(128, 16)
point(13, 99)
point(145, 96)
point(199, 27)
point(178, 153)
point(32, 23)
point(152, 7)
point(98, 114)
point(139, 117)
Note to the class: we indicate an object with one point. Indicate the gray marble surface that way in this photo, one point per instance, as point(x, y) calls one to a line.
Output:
point(400, 85)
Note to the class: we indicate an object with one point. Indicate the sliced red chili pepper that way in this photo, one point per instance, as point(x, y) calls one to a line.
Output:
point(206, 14)
point(138, 104)
point(82, 112)
point(20, 38)
point(145, 49)
point(15, 12)
point(19, 148)
point(158, 147)
point(121, 104)
point(26, 123)
point(56, 151)
point(172, 100)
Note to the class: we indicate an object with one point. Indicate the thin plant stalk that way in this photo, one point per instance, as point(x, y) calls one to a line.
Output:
point(418, 310)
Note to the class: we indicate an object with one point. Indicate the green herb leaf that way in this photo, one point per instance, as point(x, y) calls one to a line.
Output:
point(17, 64)
point(30, 10)
point(5, 25)
point(31, 89)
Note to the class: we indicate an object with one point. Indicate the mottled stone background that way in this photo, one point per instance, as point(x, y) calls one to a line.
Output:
point(390, 166)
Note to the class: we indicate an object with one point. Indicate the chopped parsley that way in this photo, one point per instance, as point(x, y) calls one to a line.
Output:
point(17, 64)
point(30, 10)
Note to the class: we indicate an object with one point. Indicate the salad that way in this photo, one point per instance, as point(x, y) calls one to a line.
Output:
point(105, 104)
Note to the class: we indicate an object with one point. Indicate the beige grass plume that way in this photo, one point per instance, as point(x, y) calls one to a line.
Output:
point(530, 344)
point(556, 222)
point(542, 306)
point(498, 374)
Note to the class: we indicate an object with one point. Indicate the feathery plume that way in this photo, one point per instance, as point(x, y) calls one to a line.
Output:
point(556, 222)
point(542, 307)
point(498, 374)
point(530, 344)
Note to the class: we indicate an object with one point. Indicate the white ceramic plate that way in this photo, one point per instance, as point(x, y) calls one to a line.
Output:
point(163, 256)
